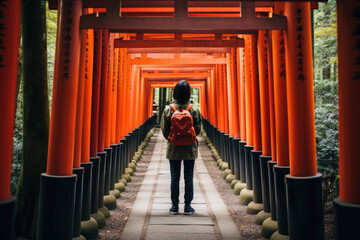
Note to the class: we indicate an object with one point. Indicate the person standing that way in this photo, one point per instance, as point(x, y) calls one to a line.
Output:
point(176, 151)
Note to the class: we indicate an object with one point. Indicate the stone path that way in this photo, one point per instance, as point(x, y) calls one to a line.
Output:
point(150, 219)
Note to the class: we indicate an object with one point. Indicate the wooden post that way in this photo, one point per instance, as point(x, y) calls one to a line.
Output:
point(248, 92)
point(80, 102)
point(56, 208)
point(255, 95)
point(347, 206)
point(263, 42)
point(103, 87)
point(242, 101)
point(225, 99)
point(63, 110)
point(303, 184)
point(9, 48)
point(95, 101)
point(11, 12)
point(281, 125)
point(88, 75)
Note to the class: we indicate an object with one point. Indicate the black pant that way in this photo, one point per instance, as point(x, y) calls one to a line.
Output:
point(175, 168)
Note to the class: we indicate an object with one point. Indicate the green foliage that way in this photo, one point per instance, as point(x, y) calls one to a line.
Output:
point(326, 97)
point(18, 143)
point(51, 16)
point(51, 22)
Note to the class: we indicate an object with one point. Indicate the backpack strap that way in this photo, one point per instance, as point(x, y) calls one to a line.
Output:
point(188, 107)
point(173, 107)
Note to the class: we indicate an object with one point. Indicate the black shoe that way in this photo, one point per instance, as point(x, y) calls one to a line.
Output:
point(188, 210)
point(174, 210)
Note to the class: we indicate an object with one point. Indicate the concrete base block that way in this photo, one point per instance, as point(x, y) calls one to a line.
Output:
point(261, 216)
point(110, 201)
point(99, 218)
point(224, 166)
point(226, 172)
point(132, 166)
point(127, 177)
point(123, 180)
point(269, 226)
point(246, 196)
point(116, 193)
point(81, 237)
point(254, 208)
point(90, 229)
point(229, 178)
point(239, 187)
point(120, 186)
point(278, 236)
point(233, 183)
point(104, 210)
point(129, 171)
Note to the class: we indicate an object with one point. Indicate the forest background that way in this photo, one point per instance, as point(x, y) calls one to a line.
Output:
point(325, 92)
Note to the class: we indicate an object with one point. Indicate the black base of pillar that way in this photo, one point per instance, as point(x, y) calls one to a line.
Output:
point(118, 164)
point(236, 158)
point(265, 182)
point(113, 165)
point(7, 210)
point(271, 165)
point(256, 176)
point(95, 184)
point(79, 172)
point(305, 207)
point(248, 167)
point(231, 154)
point(108, 171)
point(102, 156)
point(347, 220)
point(86, 205)
point(242, 161)
point(280, 196)
point(56, 207)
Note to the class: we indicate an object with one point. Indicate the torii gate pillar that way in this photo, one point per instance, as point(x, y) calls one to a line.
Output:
point(303, 184)
point(347, 205)
point(9, 45)
point(57, 186)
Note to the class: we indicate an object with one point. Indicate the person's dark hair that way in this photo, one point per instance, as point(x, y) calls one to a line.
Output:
point(182, 92)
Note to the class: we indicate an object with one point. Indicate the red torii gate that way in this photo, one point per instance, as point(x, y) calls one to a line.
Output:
point(299, 100)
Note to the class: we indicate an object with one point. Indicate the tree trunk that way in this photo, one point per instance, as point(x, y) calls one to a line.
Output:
point(36, 115)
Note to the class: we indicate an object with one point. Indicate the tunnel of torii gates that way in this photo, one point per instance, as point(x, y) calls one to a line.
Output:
point(252, 62)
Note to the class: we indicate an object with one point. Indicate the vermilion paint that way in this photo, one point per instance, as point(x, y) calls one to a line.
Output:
point(11, 15)
point(108, 91)
point(271, 99)
point(85, 152)
point(229, 94)
point(65, 86)
point(280, 98)
point(80, 101)
point(255, 95)
point(242, 98)
point(114, 91)
point(349, 99)
point(263, 42)
point(119, 101)
point(103, 87)
point(95, 100)
point(248, 92)
point(300, 94)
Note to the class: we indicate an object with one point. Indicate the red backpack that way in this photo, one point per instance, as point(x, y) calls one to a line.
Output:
point(182, 128)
